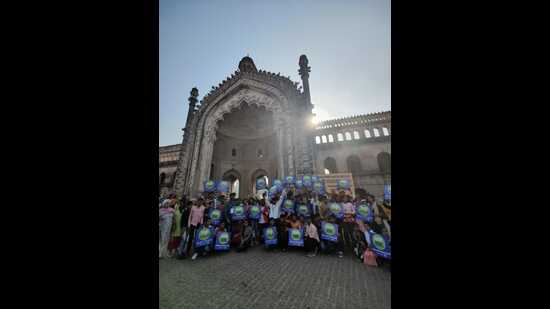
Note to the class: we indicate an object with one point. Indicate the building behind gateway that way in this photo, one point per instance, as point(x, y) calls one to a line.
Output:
point(258, 124)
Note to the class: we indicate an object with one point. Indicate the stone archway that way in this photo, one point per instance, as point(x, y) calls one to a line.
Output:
point(254, 95)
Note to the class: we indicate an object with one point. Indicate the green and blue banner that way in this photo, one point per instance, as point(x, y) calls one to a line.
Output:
point(364, 213)
point(260, 183)
point(319, 187)
point(316, 179)
point(307, 181)
point(343, 184)
point(336, 209)
point(329, 231)
point(215, 216)
point(299, 184)
point(203, 237)
point(209, 186)
point(303, 210)
point(223, 186)
point(254, 212)
point(288, 206)
point(222, 241)
point(238, 213)
point(296, 237)
point(379, 244)
point(278, 183)
point(273, 190)
point(289, 180)
point(270, 235)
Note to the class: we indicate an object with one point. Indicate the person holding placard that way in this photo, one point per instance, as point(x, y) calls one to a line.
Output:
point(196, 218)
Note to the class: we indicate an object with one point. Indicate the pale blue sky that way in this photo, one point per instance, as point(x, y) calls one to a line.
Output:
point(347, 43)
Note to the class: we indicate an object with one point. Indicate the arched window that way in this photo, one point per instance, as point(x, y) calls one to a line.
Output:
point(162, 178)
point(384, 162)
point(385, 131)
point(234, 152)
point(317, 140)
point(330, 165)
point(330, 138)
point(367, 134)
point(356, 135)
point(260, 153)
point(348, 136)
point(376, 132)
point(324, 139)
point(340, 137)
point(354, 164)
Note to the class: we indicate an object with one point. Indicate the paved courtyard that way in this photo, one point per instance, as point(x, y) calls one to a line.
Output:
point(260, 279)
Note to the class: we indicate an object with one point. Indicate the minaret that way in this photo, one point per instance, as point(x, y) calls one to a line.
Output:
point(304, 73)
point(192, 103)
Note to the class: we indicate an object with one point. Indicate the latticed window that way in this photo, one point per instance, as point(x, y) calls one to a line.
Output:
point(348, 136)
point(330, 138)
point(356, 135)
point(340, 137)
point(367, 134)
point(324, 139)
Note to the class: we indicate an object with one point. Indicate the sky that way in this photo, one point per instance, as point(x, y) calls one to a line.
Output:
point(347, 43)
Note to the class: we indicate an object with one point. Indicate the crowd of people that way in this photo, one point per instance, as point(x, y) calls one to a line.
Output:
point(214, 223)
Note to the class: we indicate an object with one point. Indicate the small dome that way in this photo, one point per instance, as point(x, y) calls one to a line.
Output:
point(247, 65)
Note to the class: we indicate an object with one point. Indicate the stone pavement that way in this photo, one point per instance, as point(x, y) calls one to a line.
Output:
point(260, 279)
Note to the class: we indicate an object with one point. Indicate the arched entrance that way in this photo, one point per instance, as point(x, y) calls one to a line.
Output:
point(234, 179)
point(253, 120)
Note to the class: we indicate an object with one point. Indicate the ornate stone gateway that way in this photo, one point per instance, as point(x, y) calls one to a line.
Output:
point(254, 124)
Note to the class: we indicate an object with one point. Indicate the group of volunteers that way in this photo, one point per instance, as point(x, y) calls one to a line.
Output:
point(291, 214)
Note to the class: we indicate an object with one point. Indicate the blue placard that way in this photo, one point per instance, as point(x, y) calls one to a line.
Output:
point(336, 209)
point(319, 187)
point(203, 237)
point(289, 180)
point(273, 190)
point(223, 186)
point(209, 186)
point(278, 183)
point(299, 184)
point(288, 206)
point(307, 181)
point(387, 192)
point(223, 240)
point(260, 184)
point(316, 179)
point(270, 235)
point(302, 210)
point(379, 244)
point(238, 212)
point(255, 212)
point(296, 237)
point(343, 184)
point(364, 212)
point(215, 216)
point(329, 231)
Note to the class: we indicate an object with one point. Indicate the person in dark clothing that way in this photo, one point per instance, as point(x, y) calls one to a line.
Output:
point(282, 231)
point(246, 237)
point(329, 247)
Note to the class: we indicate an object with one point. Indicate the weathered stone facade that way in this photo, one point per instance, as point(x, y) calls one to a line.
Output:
point(257, 123)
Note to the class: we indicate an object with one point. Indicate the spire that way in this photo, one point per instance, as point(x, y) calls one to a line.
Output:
point(304, 73)
point(247, 65)
point(192, 103)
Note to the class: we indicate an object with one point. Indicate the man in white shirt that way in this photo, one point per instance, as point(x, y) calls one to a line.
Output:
point(275, 209)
